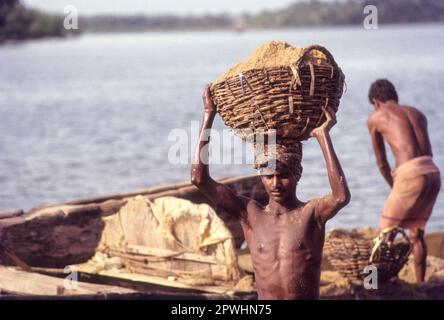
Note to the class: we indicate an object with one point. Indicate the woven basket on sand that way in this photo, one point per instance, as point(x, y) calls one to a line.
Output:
point(289, 98)
point(349, 252)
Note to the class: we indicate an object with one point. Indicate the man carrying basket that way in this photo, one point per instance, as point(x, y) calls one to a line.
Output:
point(286, 236)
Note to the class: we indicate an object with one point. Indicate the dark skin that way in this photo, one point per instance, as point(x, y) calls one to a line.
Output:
point(286, 236)
point(404, 128)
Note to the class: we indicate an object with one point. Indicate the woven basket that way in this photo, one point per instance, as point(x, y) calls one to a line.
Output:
point(349, 252)
point(288, 99)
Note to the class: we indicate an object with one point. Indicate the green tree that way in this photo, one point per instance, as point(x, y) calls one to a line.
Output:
point(5, 8)
point(18, 22)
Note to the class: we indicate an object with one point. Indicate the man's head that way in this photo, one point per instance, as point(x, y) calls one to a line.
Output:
point(280, 167)
point(382, 91)
point(279, 181)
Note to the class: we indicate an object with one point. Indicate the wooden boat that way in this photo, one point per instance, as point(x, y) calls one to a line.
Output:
point(44, 249)
point(43, 242)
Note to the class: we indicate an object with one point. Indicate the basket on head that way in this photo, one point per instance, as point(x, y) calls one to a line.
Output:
point(290, 99)
point(350, 252)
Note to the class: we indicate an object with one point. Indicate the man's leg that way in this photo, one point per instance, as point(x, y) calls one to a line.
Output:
point(419, 253)
point(424, 206)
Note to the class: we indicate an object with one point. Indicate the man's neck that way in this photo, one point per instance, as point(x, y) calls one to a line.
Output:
point(283, 207)
point(387, 104)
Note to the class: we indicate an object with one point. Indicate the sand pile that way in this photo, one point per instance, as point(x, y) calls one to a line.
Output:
point(435, 270)
point(269, 55)
point(335, 286)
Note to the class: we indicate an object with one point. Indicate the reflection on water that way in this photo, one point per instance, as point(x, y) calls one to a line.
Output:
point(91, 116)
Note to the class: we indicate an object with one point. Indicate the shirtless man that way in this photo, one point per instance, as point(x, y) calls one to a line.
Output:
point(286, 237)
point(416, 181)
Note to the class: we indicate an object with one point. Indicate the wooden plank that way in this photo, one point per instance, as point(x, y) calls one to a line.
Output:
point(15, 281)
point(131, 257)
point(155, 283)
point(112, 278)
point(166, 253)
point(152, 270)
point(11, 214)
point(163, 282)
point(13, 258)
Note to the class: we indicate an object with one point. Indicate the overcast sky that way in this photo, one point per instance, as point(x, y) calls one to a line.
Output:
point(159, 6)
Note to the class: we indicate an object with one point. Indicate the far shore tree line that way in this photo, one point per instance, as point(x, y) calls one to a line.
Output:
point(19, 22)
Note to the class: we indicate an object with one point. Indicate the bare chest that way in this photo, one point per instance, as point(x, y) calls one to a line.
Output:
point(284, 236)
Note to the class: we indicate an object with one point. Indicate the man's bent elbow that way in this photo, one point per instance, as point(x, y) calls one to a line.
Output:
point(343, 199)
point(196, 181)
point(198, 178)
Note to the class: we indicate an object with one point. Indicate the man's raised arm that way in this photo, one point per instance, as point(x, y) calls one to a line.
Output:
point(327, 206)
point(219, 194)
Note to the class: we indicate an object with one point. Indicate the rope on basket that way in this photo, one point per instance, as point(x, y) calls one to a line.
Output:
point(296, 79)
point(312, 80)
point(324, 108)
point(243, 78)
point(229, 88)
point(266, 75)
point(256, 108)
point(305, 128)
point(290, 104)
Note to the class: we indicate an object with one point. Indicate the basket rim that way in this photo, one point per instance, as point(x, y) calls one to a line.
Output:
point(217, 85)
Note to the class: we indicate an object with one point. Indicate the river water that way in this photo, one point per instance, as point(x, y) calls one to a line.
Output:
point(95, 115)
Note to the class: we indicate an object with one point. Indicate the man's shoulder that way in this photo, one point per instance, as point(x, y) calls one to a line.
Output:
point(408, 108)
point(313, 202)
point(412, 110)
point(375, 118)
point(379, 113)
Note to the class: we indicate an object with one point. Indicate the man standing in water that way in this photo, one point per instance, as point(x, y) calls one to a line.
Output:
point(286, 237)
point(416, 180)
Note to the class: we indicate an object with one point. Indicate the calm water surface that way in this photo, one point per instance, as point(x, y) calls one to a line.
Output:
point(91, 116)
